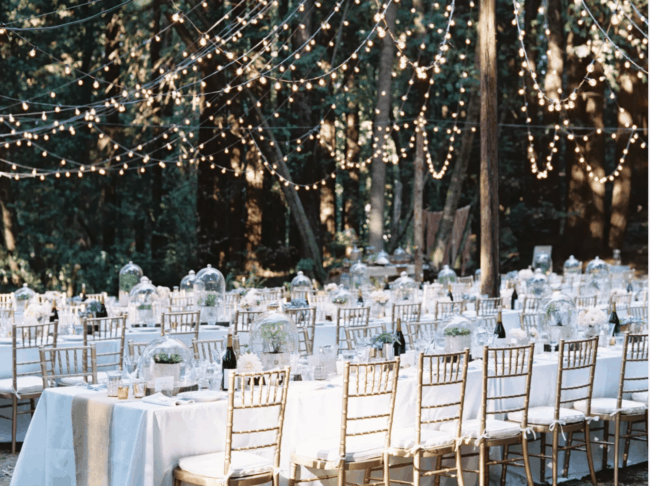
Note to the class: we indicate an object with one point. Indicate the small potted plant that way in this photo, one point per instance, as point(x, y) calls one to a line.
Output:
point(165, 364)
point(274, 337)
point(127, 282)
point(383, 342)
point(21, 302)
point(209, 309)
point(145, 314)
point(457, 338)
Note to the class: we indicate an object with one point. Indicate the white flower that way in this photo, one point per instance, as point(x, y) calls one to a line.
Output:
point(518, 334)
point(37, 310)
point(525, 274)
point(249, 363)
point(618, 292)
point(379, 296)
point(591, 317)
point(331, 287)
point(251, 299)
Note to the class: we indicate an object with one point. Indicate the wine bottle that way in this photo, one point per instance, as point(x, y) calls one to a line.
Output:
point(83, 292)
point(449, 294)
point(360, 299)
point(629, 288)
point(102, 308)
point(399, 346)
point(614, 322)
point(54, 316)
point(514, 298)
point(499, 330)
point(228, 364)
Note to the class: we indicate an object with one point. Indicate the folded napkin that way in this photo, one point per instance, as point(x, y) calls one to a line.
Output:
point(160, 399)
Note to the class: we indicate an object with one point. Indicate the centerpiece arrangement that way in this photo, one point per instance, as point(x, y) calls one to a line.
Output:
point(274, 337)
point(23, 297)
point(591, 321)
point(167, 357)
point(380, 299)
point(457, 334)
point(209, 291)
point(209, 308)
point(130, 275)
point(143, 296)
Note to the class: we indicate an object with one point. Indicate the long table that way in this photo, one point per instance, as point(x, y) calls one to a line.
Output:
point(146, 441)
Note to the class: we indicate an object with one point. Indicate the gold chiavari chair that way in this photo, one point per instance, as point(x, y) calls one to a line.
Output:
point(26, 382)
point(638, 311)
point(531, 304)
point(103, 329)
point(575, 381)
point(180, 303)
point(446, 309)
point(405, 312)
point(305, 344)
point(513, 363)
point(203, 348)
point(244, 319)
point(365, 433)
point(529, 322)
point(465, 280)
point(458, 290)
point(305, 320)
point(617, 410)
point(97, 297)
point(354, 334)
point(136, 349)
point(585, 301)
point(66, 363)
point(418, 330)
point(350, 317)
point(180, 323)
point(300, 294)
point(7, 299)
point(271, 295)
point(435, 372)
point(488, 307)
point(261, 393)
point(621, 301)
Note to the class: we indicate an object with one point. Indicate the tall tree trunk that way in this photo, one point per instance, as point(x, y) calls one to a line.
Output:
point(381, 128)
point(456, 184)
point(418, 186)
point(254, 200)
point(327, 190)
point(8, 224)
point(352, 214)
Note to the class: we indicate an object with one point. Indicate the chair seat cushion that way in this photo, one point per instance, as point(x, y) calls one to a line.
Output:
point(405, 438)
point(495, 429)
point(606, 406)
point(102, 377)
point(211, 465)
point(546, 415)
point(26, 385)
point(641, 397)
point(356, 449)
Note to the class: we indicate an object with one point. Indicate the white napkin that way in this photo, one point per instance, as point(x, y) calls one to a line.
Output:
point(160, 399)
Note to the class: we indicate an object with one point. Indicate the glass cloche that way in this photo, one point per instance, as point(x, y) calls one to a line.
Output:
point(382, 258)
point(400, 256)
point(543, 262)
point(143, 293)
point(572, 266)
point(187, 283)
point(212, 280)
point(456, 334)
point(301, 282)
point(23, 296)
point(404, 288)
point(597, 268)
point(342, 297)
point(356, 254)
point(274, 337)
point(446, 275)
point(537, 285)
point(167, 356)
point(359, 275)
point(130, 275)
point(560, 316)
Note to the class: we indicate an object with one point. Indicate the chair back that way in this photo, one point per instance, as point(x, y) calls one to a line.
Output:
point(639, 311)
point(59, 363)
point(350, 317)
point(106, 329)
point(621, 301)
point(573, 383)
point(585, 301)
point(406, 312)
point(135, 349)
point(354, 334)
point(305, 320)
point(530, 322)
point(244, 319)
point(97, 297)
point(446, 309)
point(466, 280)
point(271, 295)
point(301, 294)
point(364, 383)
point(635, 350)
point(441, 370)
point(180, 303)
point(418, 330)
point(180, 323)
point(7, 298)
point(264, 391)
point(30, 336)
point(203, 348)
point(488, 307)
point(506, 363)
point(531, 304)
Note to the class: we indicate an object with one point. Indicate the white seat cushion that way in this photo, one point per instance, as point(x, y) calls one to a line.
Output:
point(356, 449)
point(546, 415)
point(26, 385)
point(641, 397)
point(405, 438)
point(495, 429)
point(102, 377)
point(606, 406)
point(211, 465)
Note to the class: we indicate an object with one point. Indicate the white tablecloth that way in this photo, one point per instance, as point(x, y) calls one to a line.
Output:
point(147, 440)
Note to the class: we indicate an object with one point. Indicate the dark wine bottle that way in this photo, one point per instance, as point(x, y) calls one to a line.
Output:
point(360, 299)
point(83, 292)
point(499, 330)
point(614, 321)
point(54, 316)
point(228, 364)
point(102, 308)
point(629, 288)
point(514, 298)
point(399, 346)
point(449, 294)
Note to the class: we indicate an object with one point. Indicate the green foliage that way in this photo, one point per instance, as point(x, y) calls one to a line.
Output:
point(164, 358)
point(457, 331)
point(209, 301)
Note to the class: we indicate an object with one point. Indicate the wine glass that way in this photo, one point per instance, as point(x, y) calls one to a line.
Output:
point(215, 381)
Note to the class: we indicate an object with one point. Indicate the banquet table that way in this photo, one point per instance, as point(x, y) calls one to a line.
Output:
point(146, 441)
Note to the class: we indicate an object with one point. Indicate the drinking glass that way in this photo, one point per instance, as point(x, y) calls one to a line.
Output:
point(139, 388)
point(129, 363)
point(114, 378)
point(123, 390)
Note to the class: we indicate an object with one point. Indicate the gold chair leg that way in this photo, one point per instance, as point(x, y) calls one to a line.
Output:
point(32, 406)
point(567, 456)
point(504, 466)
point(293, 474)
point(626, 451)
point(524, 450)
point(341, 478)
point(436, 479)
point(542, 461)
point(483, 479)
point(14, 422)
point(605, 446)
point(386, 470)
point(590, 459)
point(366, 476)
point(417, 459)
point(554, 454)
point(617, 439)
point(459, 467)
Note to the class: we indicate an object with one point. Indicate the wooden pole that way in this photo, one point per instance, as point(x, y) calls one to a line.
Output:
point(418, 186)
point(489, 181)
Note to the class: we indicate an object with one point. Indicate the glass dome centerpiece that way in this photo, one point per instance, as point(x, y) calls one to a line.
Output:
point(404, 288)
point(209, 291)
point(400, 257)
point(457, 332)
point(144, 295)
point(359, 276)
point(382, 258)
point(543, 262)
point(597, 268)
point(274, 337)
point(130, 275)
point(446, 275)
point(356, 254)
point(165, 357)
point(559, 316)
point(187, 282)
point(537, 285)
point(301, 282)
point(23, 296)
point(342, 298)
point(572, 266)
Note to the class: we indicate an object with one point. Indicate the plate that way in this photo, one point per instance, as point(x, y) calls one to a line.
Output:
point(72, 337)
point(204, 395)
point(145, 329)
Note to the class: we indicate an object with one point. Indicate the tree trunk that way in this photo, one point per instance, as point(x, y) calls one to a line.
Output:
point(456, 184)
point(327, 190)
point(381, 128)
point(8, 233)
point(418, 185)
point(352, 212)
point(254, 200)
